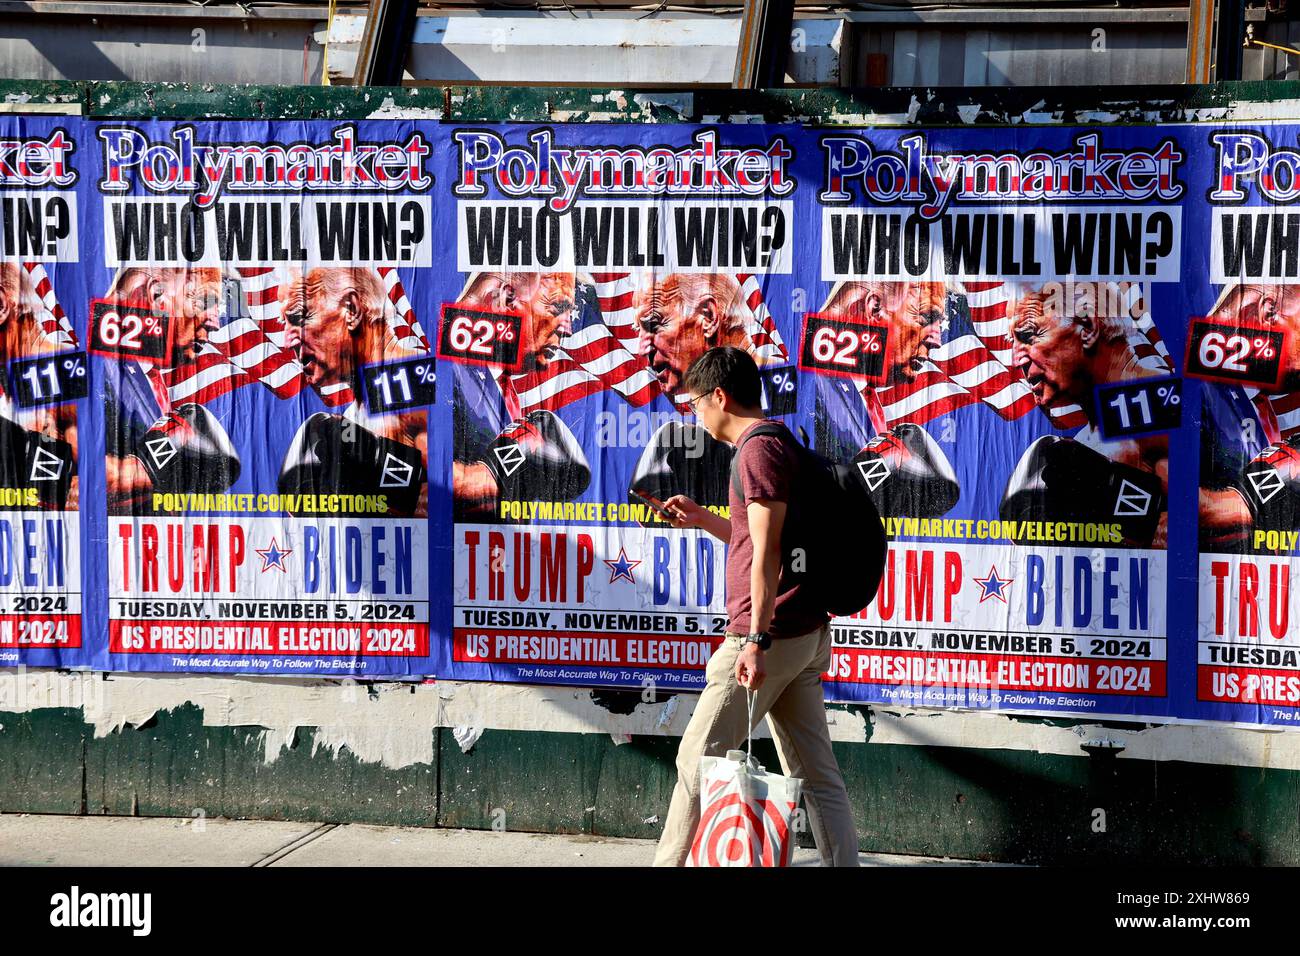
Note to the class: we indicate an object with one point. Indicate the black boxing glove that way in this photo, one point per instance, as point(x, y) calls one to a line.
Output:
point(683, 459)
point(333, 455)
point(29, 459)
point(537, 458)
point(1271, 486)
point(907, 473)
point(1060, 479)
point(188, 451)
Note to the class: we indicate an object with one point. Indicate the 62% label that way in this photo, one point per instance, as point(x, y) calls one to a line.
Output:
point(480, 338)
point(120, 330)
point(837, 345)
point(1226, 353)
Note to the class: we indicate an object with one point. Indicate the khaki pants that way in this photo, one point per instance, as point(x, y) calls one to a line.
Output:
point(791, 698)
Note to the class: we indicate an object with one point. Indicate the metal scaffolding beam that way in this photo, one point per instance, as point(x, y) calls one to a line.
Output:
point(1230, 35)
point(1200, 40)
point(764, 44)
point(384, 45)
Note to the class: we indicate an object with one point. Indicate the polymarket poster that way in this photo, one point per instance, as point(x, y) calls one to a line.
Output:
point(42, 404)
point(1020, 294)
point(591, 266)
point(263, 377)
point(1244, 317)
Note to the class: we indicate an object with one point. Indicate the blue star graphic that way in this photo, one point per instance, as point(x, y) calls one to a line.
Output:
point(621, 568)
point(273, 557)
point(994, 586)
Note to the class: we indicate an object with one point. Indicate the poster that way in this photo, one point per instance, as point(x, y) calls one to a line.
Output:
point(994, 346)
point(592, 265)
point(43, 392)
point(1243, 318)
point(263, 381)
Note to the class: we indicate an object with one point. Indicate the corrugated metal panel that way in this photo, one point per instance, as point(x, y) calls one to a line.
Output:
point(1123, 54)
point(974, 44)
point(213, 50)
point(671, 51)
point(1259, 63)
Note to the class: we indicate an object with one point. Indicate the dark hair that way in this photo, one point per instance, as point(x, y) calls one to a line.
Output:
point(730, 369)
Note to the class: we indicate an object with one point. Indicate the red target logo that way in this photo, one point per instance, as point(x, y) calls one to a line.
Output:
point(739, 831)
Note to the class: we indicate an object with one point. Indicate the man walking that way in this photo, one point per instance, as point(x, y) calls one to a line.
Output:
point(778, 640)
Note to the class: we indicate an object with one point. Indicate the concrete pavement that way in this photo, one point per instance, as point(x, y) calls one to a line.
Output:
point(39, 840)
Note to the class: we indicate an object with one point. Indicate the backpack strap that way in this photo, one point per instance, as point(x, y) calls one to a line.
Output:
point(765, 428)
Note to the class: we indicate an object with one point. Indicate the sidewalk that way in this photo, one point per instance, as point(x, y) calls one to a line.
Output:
point(32, 840)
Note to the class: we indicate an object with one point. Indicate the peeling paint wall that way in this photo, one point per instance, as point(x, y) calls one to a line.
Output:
point(392, 724)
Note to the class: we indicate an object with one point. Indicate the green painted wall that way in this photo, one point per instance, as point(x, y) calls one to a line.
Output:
point(1014, 806)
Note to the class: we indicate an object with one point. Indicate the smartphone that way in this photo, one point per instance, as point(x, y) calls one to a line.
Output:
point(657, 505)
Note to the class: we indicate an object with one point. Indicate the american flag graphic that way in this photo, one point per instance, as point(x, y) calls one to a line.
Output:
point(603, 355)
point(766, 340)
point(252, 348)
point(974, 364)
point(53, 320)
point(406, 329)
point(1286, 407)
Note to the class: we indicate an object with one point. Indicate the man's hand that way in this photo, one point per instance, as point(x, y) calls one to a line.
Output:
point(750, 669)
point(688, 514)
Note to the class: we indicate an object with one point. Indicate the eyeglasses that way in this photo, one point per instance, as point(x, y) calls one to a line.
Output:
point(694, 401)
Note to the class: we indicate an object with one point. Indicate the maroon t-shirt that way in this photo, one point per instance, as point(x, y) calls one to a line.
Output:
point(769, 469)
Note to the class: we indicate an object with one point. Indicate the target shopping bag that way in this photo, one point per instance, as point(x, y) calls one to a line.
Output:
point(745, 813)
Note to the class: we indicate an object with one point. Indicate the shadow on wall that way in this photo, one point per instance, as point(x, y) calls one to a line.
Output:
point(1028, 807)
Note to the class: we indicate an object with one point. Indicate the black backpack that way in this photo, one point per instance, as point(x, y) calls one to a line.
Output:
point(832, 541)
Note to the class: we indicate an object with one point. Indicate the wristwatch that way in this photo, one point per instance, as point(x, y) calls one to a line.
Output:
point(762, 639)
